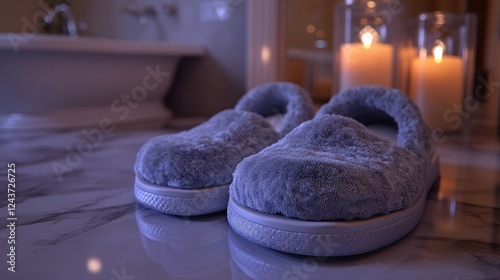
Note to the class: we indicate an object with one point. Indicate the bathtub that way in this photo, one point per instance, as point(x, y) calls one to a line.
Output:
point(52, 81)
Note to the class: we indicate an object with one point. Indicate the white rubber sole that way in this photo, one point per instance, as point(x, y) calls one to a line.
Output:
point(328, 238)
point(181, 202)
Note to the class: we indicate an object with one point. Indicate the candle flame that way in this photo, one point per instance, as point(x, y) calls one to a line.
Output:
point(438, 51)
point(368, 35)
point(367, 40)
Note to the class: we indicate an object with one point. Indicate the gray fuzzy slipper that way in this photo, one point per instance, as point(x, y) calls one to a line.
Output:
point(189, 173)
point(352, 180)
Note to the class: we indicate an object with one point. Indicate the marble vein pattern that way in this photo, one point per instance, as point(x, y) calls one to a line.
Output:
point(83, 223)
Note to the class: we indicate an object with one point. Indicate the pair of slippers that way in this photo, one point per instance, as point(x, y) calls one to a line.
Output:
point(351, 179)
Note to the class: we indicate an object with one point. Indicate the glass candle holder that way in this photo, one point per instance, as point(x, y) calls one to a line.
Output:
point(442, 67)
point(367, 43)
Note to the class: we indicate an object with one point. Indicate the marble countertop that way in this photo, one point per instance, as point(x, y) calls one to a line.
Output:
point(77, 219)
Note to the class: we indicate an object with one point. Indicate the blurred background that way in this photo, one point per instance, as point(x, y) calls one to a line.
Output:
point(204, 87)
point(309, 31)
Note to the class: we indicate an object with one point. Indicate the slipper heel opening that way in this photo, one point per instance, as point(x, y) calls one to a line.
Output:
point(284, 105)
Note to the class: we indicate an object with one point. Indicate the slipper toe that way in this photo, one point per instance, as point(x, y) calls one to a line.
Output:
point(205, 155)
point(331, 168)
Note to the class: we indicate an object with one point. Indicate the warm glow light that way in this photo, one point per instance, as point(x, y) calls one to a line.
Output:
point(368, 35)
point(422, 54)
point(440, 19)
point(265, 54)
point(371, 4)
point(311, 28)
point(320, 34)
point(94, 265)
point(438, 51)
point(367, 40)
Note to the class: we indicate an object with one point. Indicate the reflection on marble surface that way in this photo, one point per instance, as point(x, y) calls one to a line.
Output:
point(186, 247)
point(83, 223)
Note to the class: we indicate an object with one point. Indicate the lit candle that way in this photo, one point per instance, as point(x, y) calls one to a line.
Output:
point(366, 63)
point(436, 84)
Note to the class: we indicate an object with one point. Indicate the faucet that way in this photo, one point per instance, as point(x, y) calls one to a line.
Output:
point(60, 20)
point(150, 11)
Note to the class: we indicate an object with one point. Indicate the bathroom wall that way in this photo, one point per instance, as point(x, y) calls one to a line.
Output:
point(317, 14)
point(202, 86)
point(491, 62)
point(13, 13)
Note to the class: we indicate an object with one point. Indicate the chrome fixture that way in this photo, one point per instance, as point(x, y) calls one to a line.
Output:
point(60, 20)
point(146, 12)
